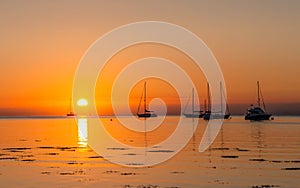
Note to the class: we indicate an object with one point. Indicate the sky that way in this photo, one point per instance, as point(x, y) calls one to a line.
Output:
point(42, 43)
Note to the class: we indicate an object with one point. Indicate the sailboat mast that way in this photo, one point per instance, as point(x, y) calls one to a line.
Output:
point(221, 97)
point(262, 98)
point(258, 94)
point(145, 97)
point(208, 97)
point(193, 103)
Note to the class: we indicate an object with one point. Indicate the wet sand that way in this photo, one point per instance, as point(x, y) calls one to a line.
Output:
point(51, 153)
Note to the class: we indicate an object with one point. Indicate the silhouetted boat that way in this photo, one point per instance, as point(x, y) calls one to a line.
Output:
point(257, 113)
point(216, 115)
point(147, 113)
point(195, 113)
point(71, 113)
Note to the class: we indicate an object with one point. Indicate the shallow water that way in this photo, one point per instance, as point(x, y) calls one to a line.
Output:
point(48, 152)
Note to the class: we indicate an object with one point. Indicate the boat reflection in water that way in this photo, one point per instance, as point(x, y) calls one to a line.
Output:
point(82, 132)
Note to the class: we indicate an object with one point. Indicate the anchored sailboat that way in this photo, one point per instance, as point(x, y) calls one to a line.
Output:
point(146, 113)
point(195, 113)
point(257, 113)
point(71, 113)
point(217, 115)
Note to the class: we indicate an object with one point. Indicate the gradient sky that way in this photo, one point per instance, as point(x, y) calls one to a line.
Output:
point(42, 43)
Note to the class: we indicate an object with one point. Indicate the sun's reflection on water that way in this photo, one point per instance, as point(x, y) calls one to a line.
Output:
point(82, 133)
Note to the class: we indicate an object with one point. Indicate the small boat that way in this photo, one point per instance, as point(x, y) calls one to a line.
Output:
point(216, 115)
point(195, 113)
point(256, 113)
point(146, 113)
point(71, 113)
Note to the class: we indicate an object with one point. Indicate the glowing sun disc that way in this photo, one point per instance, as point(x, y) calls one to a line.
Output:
point(82, 102)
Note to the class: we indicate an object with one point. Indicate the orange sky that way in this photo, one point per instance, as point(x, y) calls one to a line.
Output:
point(42, 43)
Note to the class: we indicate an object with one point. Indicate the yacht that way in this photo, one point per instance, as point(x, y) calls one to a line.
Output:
point(257, 113)
point(146, 113)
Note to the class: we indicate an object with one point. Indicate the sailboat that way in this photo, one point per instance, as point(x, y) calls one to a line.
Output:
point(146, 113)
point(195, 113)
point(257, 113)
point(71, 113)
point(209, 115)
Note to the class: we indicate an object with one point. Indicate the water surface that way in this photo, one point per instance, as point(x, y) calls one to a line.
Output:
point(47, 152)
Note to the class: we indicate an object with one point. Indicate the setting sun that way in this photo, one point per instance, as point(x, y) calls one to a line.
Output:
point(82, 102)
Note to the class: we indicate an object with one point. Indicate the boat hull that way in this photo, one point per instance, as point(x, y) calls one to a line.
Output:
point(146, 115)
point(209, 116)
point(193, 115)
point(71, 114)
point(257, 117)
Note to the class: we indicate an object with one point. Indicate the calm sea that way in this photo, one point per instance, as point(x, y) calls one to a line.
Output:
point(53, 152)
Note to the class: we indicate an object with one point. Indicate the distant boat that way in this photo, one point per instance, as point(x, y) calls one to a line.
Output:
point(71, 113)
point(257, 113)
point(217, 115)
point(146, 113)
point(195, 113)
